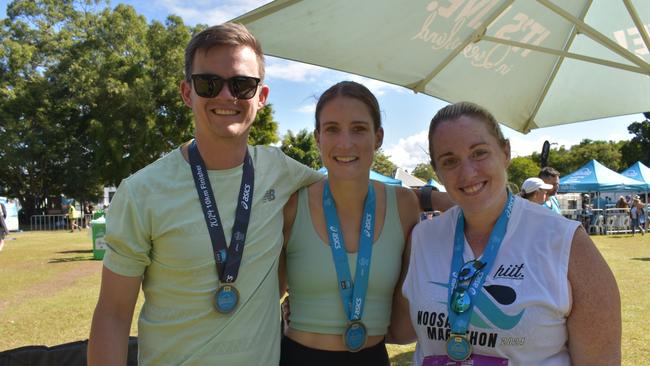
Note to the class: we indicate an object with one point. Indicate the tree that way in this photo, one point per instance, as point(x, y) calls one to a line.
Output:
point(36, 146)
point(424, 171)
point(128, 93)
point(638, 149)
point(567, 161)
point(264, 130)
point(86, 98)
point(522, 168)
point(382, 164)
point(302, 147)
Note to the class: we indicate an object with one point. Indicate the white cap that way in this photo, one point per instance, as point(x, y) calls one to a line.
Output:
point(532, 184)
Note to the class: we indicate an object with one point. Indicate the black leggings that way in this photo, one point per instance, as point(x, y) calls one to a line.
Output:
point(295, 354)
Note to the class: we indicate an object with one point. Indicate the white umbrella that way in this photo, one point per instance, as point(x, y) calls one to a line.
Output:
point(532, 63)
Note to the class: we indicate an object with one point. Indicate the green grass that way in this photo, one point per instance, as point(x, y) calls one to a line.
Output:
point(49, 286)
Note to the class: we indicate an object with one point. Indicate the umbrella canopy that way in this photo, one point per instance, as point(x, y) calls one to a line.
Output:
point(639, 172)
point(595, 177)
point(374, 176)
point(531, 63)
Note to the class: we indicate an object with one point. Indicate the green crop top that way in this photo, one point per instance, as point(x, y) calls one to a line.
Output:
point(315, 300)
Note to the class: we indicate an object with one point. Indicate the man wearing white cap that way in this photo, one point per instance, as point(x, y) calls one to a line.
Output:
point(534, 190)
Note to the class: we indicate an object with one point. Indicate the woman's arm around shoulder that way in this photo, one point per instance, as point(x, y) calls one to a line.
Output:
point(594, 324)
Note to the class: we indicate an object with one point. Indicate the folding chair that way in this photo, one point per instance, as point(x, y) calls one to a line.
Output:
point(596, 226)
point(610, 224)
point(625, 224)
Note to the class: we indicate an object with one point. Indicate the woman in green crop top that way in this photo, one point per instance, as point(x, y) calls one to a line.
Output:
point(321, 331)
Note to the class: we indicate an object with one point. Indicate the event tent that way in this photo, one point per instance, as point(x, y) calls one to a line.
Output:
point(408, 180)
point(437, 185)
point(595, 177)
point(639, 172)
point(374, 176)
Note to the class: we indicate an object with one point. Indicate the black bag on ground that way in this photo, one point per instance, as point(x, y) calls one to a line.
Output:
point(67, 354)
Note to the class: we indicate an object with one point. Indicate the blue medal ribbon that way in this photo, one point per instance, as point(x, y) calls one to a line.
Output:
point(227, 258)
point(460, 322)
point(353, 294)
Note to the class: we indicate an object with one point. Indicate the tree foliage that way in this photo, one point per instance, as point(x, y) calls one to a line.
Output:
point(424, 171)
point(302, 147)
point(567, 161)
point(638, 149)
point(88, 96)
point(382, 164)
point(264, 130)
point(522, 168)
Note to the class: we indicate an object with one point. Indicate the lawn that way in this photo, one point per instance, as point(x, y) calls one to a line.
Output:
point(49, 285)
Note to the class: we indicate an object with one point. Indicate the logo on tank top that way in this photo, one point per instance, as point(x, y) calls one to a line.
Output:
point(488, 302)
point(510, 272)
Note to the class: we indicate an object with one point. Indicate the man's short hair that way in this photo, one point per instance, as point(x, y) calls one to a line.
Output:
point(226, 34)
point(548, 172)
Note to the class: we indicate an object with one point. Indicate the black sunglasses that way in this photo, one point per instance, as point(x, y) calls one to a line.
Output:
point(210, 85)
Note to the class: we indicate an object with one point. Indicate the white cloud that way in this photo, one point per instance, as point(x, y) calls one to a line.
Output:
point(207, 12)
point(277, 68)
point(307, 108)
point(410, 151)
point(293, 71)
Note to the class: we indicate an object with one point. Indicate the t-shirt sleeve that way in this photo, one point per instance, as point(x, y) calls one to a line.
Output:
point(300, 174)
point(127, 238)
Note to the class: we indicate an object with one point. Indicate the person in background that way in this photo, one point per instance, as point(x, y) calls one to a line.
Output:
point(337, 319)
point(622, 203)
point(498, 280)
point(586, 211)
point(552, 177)
point(637, 211)
point(73, 217)
point(534, 189)
point(3, 226)
point(599, 202)
point(88, 215)
point(643, 214)
point(201, 228)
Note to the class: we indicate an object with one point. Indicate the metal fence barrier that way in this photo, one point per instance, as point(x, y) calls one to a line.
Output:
point(55, 222)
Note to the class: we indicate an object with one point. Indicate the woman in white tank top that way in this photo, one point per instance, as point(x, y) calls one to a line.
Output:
point(499, 280)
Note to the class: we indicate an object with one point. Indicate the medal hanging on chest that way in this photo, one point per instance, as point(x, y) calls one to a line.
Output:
point(226, 299)
point(227, 258)
point(458, 347)
point(355, 336)
point(353, 294)
point(466, 280)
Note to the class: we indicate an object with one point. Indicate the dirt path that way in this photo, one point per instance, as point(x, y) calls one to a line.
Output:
point(64, 280)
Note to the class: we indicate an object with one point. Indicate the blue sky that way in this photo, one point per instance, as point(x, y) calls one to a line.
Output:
point(295, 88)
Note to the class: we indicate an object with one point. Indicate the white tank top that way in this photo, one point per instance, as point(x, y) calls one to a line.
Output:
point(520, 313)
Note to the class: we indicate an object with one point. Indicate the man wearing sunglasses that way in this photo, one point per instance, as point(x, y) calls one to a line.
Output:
point(201, 228)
